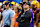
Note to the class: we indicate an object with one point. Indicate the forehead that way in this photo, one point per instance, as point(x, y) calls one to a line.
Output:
point(0, 6)
point(25, 6)
point(15, 7)
point(7, 4)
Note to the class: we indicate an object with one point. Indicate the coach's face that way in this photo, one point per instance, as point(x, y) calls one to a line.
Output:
point(26, 7)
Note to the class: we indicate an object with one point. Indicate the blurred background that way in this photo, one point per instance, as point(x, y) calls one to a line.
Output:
point(37, 6)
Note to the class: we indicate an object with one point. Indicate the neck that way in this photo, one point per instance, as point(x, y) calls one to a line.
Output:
point(7, 8)
point(17, 13)
point(13, 9)
point(27, 9)
point(0, 8)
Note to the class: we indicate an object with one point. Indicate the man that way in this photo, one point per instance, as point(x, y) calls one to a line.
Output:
point(35, 6)
point(8, 16)
point(35, 3)
point(12, 6)
point(24, 20)
point(38, 17)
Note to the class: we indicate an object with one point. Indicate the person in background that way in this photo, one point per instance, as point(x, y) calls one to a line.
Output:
point(35, 6)
point(21, 4)
point(38, 17)
point(8, 16)
point(16, 15)
point(22, 10)
point(32, 19)
point(12, 6)
point(1, 10)
point(4, 4)
point(34, 12)
point(20, 7)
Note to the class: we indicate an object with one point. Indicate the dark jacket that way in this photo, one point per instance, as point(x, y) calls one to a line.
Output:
point(26, 17)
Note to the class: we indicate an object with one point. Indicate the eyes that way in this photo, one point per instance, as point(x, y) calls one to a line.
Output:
point(25, 8)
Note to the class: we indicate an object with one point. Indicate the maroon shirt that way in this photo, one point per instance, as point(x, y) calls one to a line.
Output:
point(38, 15)
point(38, 9)
point(0, 10)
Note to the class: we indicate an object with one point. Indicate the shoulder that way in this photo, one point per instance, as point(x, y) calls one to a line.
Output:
point(11, 10)
point(30, 10)
point(4, 10)
point(15, 15)
point(27, 12)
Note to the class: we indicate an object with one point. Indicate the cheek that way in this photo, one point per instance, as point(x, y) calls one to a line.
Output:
point(11, 6)
point(0, 7)
point(39, 12)
point(16, 10)
point(5, 6)
point(8, 6)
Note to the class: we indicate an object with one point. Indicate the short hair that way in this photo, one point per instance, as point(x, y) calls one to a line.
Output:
point(24, 3)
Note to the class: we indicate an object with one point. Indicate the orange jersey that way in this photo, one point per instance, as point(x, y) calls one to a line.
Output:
point(16, 23)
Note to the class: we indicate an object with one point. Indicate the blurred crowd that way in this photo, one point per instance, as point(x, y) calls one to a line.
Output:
point(24, 14)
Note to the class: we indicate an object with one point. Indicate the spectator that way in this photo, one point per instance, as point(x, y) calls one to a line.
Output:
point(16, 15)
point(12, 6)
point(8, 16)
point(32, 19)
